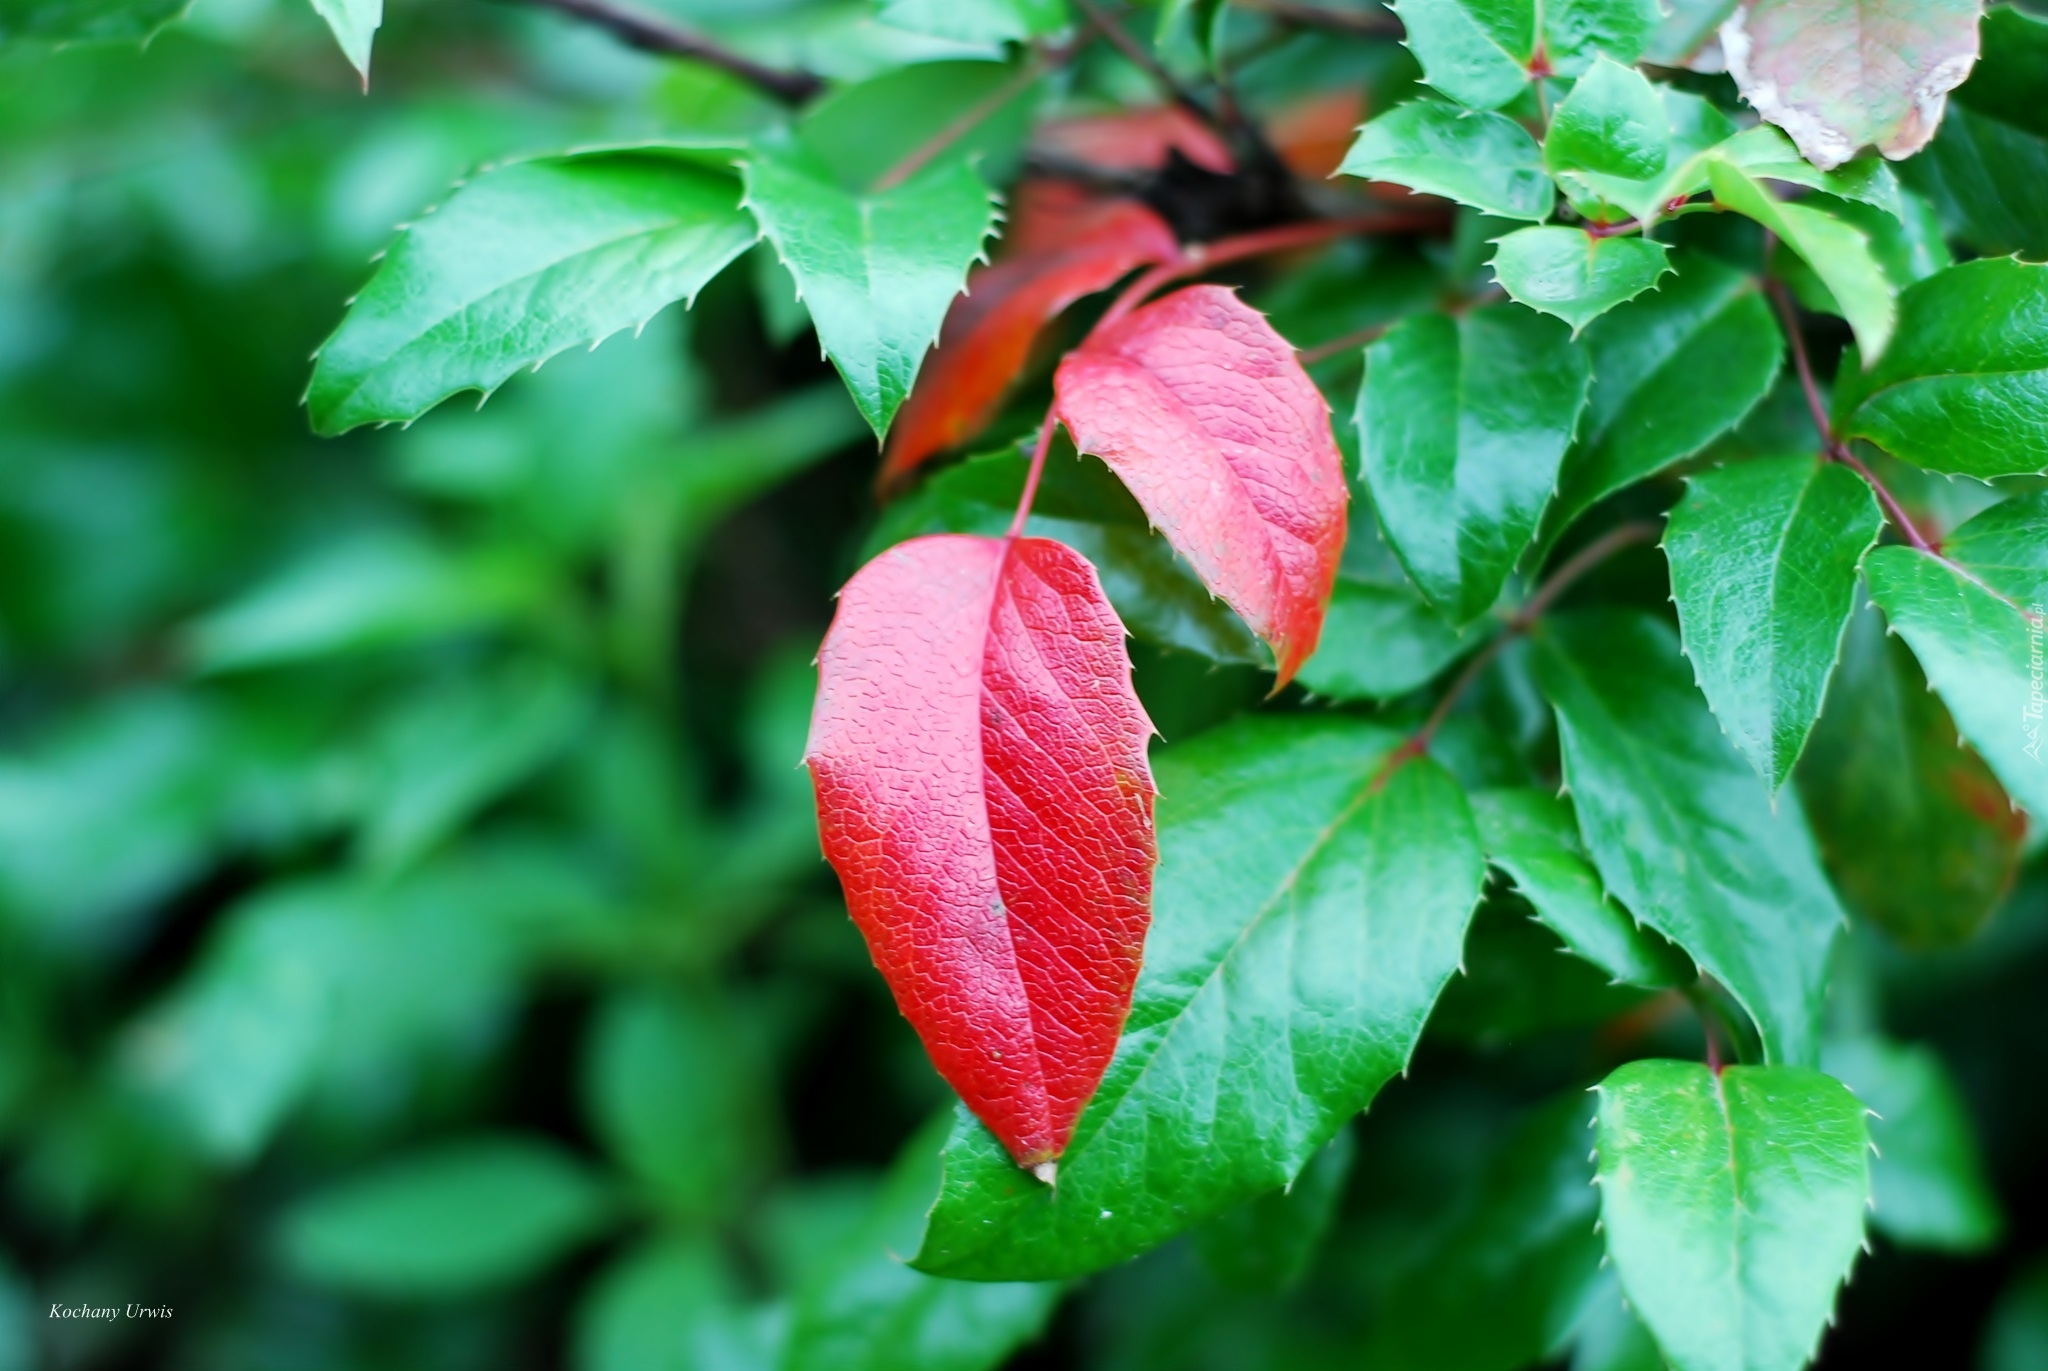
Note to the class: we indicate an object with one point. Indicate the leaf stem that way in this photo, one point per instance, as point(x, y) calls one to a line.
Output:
point(652, 33)
point(1030, 491)
point(975, 115)
point(1832, 446)
point(1343, 342)
point(1144, 61)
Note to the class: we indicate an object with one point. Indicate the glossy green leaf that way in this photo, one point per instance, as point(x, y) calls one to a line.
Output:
point(673, 1087)
point(1989, 180)
point(354, 24)
point(1637, 184)
point(1791, 59)
point(1268, 1243)
point(2006, 547)
point(1574, 275)
point(1766, 154)
point(1672, 371)
point(1610, 1337)
point(1462, 424)
point(1763, 571)
point(1733, 1206)
point(1680, 827)
point(978, 21)
point(1380, 640)
point(86, 21)
point(1983, 655)
point(1533, 837)
point(672, 1305)
point(1927, 1181)
point(1915, 830)
point(1081, 504)
point(1481, 54)
point(1302, 900)
point(463, 1216)
point(518, 264)
point(1839, 254)
point(1501, 1283)
point(1477, 158)
point(858, 134)
point(878, 269)
point(862, 1309)
point(1966, 389)
point(1612, 125)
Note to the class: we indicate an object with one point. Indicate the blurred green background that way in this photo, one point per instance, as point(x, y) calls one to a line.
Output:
point(414, 951)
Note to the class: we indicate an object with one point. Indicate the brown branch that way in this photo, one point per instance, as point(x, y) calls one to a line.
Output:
point(652, 33)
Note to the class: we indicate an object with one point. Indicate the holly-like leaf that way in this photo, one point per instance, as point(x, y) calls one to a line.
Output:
point(1533, 838)
point(1612, 124)
point(1928, 1187)
point(1681, 829)
point(877, 268)
point(861, 1309)
point(1483, 54)
point(983, 793)
point(1310, 908)
point(2006, 547)
point(1203, 411)
point(1768, 155)
point(1733, 1206)
point(1838, 253)
point(86, 21)
point(520, 263)
point(1966, 390)
point(1840, 75)
point(1915, 830)
point(1574, 274)
point(1459, 464)
point(1981, 653)
point(1763, 570)
point(1672, 371)
point(354, 24)
point(1079, 503)
point(989, 331)
point(1475, 157)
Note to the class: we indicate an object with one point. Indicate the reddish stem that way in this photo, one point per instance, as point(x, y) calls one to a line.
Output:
point(1030, 491)
point(1357, 338)
point(970, 118)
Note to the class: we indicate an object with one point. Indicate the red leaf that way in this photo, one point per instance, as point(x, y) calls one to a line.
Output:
point(989, 331)
point(983, 792)
point(1134, 140)
point(1204, 412)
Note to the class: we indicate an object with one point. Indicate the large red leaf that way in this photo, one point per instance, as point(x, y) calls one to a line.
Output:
point(1207, 416)
point(989, 331)
point(983, 792)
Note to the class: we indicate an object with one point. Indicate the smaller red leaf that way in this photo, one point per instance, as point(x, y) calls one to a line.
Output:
point(983, 793)
point(1205, 413)
point(1134, 140)
point(989, 331)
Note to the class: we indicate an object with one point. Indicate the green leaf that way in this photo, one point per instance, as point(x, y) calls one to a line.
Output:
point(1763, 571)
point(1966, 389)
point(671, 1305)
point(86, 21)
point(2016, 1335)
point(1460, 465)
point(1574, 275)
point(1502, 1282)
point(1533, 838)
point(1766, 154)
point(1268, 1243)
point(1688, 28)
point(1982, 654)
point(1477, 158)
point(354, 24)
point(1612, 124)
point(1733, 1206)
point(1481, 52)
point(673, 1087)
point(463, 1216)
point(1839, 254)
point(857, 134)
point(1989, 180)
point(1610, 1337)
point(1380, 640)
point(862, 1309)
point(1915, 830)
point(1672, 371)
point(1681, 829)
point(1303, 901)
point(1081, 504)
point(1791, 59)
point(18, 1337)
point(2006, 547)
point(1927, 1180)
point(518, 264)
point(878, 270)
point(978, 21)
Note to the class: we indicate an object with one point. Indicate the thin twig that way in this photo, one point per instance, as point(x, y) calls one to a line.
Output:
point(1357, 338)
point(1030, 492)
point(972, 117)
point(1833, 446)
point(1143, 60)
point(1324, 17)
point(652, 33)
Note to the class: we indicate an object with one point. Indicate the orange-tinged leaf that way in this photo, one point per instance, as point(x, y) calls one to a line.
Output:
point(1206, 414)
point(984, 794)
